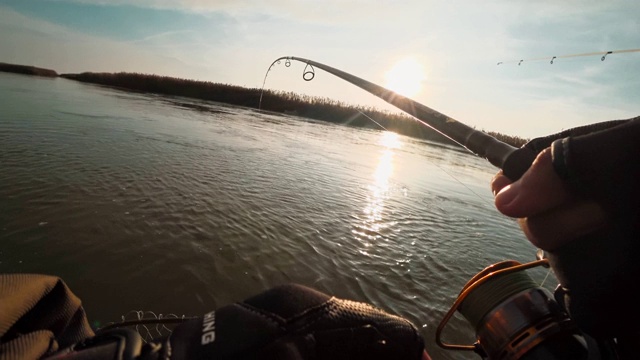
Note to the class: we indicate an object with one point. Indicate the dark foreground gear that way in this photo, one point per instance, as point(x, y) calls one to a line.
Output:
point(43, 319)
point(295, 322)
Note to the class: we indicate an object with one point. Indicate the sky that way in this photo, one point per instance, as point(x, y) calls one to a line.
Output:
point(446, 51)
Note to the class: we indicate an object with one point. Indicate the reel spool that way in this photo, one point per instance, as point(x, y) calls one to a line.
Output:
point(514, 318)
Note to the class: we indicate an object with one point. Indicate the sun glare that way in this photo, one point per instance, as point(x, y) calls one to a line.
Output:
point(405, 77)
point(390, 140)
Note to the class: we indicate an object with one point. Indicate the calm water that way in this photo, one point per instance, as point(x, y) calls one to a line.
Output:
point(141, 203)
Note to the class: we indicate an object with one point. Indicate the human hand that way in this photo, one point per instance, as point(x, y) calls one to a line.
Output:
point(587, 220)
point(550, 215)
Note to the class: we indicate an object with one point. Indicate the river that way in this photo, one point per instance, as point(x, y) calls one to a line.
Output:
point(141, 202)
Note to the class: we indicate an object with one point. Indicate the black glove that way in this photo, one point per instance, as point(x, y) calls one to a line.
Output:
point(295, 322)
point(599, 272)
point(289, 322)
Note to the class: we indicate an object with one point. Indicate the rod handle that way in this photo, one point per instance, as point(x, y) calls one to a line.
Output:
point(518, 162)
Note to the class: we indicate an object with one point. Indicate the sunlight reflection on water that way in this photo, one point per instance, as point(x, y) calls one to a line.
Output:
point(380, 187)
point(140, 204)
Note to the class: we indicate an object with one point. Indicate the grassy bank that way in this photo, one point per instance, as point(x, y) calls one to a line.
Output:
point(27, 70)
point(323, 109)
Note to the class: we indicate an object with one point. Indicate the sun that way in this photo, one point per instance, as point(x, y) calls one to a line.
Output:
point(405, 77)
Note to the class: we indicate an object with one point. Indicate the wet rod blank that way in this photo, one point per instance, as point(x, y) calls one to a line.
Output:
point(513, 161)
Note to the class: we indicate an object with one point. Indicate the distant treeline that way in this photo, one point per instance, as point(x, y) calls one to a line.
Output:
point(509, 139)
point(323, 109)
point(27, 70)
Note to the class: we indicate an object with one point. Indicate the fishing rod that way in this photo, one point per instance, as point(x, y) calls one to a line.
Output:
point(513, 161)
point(551, 59)
point(514, 318)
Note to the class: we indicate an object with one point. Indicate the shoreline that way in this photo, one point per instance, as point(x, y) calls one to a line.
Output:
point(27, 70)
point(315, 108)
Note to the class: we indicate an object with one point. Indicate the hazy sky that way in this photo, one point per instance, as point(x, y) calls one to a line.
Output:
point(456, 45)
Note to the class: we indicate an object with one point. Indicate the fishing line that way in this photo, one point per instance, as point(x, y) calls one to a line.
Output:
point(377, 123)
point(513, 161)
point(602, 54)
point(308, 73)
point(546, 277)
point(143, 318)
point(434, 164)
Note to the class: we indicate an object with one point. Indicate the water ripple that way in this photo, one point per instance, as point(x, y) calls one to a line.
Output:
point(143, 202)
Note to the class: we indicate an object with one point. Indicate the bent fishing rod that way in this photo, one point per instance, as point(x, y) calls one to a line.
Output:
point(513, 161)
point(515, 318)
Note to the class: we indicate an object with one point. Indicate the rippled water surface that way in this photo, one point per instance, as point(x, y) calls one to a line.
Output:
point(142, 203)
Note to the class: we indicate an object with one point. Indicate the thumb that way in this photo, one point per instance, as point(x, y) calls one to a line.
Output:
point(538, 190)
